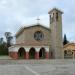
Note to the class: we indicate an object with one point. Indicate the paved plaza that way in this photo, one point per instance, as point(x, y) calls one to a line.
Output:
point(37, 67)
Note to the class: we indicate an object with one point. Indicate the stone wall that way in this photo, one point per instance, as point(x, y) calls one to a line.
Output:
point(27, 36)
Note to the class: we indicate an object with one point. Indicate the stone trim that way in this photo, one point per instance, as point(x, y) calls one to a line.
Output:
point(13, 52)
point(27, 48)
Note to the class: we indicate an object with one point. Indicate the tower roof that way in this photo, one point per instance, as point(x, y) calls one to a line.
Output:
point(55, 9)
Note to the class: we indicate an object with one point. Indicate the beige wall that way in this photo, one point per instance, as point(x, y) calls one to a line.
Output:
point(27, 36)
point(20, 38)
point(70, 49)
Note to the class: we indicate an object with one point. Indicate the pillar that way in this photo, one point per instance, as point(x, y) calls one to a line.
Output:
point(37, 52)
point(37, 55)
point(47, 55)
point(27, 55)
point(27, 52)
point(14, 55)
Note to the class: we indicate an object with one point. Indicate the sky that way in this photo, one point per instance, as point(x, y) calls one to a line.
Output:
point(15, 14)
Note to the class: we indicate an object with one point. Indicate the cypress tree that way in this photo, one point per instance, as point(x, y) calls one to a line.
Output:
point(65, 41)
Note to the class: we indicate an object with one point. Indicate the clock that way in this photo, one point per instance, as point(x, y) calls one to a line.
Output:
point(38, 35)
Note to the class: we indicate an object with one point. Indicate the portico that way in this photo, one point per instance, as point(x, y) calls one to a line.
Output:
point(29, 52)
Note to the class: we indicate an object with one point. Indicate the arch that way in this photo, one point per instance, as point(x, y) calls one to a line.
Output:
point(21, 53)
point(65, 52)
point(32, 53)
point(57, 16)
point(42, 53)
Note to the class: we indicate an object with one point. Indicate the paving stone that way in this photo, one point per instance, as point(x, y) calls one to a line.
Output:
point(23, 67)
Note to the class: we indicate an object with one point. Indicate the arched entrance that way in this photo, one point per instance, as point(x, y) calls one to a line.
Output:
point(32, 53)
point(42, 53)
point(21, 53)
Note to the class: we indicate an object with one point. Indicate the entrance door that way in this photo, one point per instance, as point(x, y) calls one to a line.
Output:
point(21, 53)
point(32, 53)
point(42, 53)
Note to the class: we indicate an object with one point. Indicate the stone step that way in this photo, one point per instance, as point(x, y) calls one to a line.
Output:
point(50, 61)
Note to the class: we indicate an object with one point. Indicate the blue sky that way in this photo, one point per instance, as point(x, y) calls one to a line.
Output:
point(17, 13)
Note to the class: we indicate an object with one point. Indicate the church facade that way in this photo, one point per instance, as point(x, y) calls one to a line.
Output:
point(39, 42)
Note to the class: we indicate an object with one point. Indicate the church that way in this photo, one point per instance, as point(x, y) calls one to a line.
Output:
point(39, 42)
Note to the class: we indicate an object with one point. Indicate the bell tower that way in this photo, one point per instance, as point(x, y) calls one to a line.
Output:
point(56, 32)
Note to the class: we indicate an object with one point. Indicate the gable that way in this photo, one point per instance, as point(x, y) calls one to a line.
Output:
point(21, 30)
point(30, 35)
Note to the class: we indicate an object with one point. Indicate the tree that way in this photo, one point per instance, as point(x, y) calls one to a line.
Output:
point(65, 41)
point(1, 40)
point(4, 45)
point(3, 49)
point(9, 38)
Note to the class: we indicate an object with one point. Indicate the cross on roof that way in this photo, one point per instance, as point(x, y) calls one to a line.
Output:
point(38, 20)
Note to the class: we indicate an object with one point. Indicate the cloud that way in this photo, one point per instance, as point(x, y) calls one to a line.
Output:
point(17, 13)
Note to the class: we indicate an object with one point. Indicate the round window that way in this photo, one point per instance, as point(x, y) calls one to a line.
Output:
point(38, 35)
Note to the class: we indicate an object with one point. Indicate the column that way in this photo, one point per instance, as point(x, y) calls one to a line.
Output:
point(27, 55)
point(27, 52)
point(47, 53)
point(37, 53)
point(15, 55)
